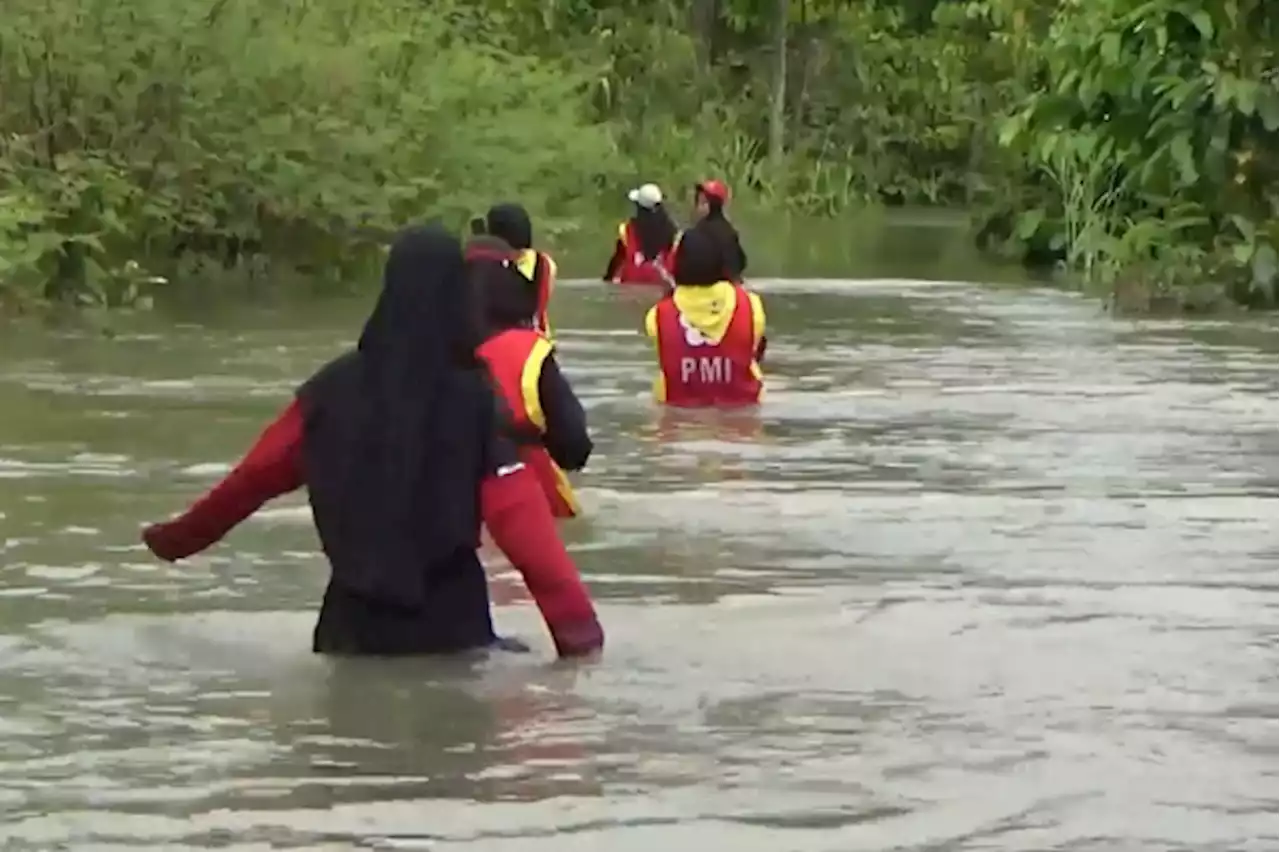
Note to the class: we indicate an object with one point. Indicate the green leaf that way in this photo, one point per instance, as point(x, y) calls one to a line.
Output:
point(1110, 48)
point(1184, 159)
point(1029, 223)
point(1010, 130)
point(1268, 108)
point(1204, 24)
point(1244, 226)
point(1246, 96)
point(1265, 265)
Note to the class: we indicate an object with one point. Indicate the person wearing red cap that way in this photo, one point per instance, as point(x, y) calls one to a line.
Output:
point(401, 445)
point(710, 197)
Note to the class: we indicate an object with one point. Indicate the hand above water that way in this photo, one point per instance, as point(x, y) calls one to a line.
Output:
point(167, 541)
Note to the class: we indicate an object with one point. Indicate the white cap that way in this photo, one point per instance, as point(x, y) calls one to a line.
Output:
point(647, 196)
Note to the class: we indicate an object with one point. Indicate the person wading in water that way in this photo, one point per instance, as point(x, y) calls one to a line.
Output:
point(709, 333)
point(710, 197)
point(548, 423)
point(511, 223)
point(643, 251)
point(398, 444)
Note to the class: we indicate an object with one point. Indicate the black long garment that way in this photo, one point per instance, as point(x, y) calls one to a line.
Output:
point(733, 258)
point(398, 437)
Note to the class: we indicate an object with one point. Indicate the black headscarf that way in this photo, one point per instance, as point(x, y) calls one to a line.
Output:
point(655, 229)
point(699, 260)
point(508, 299)
point(510, 222)
point(398, 431)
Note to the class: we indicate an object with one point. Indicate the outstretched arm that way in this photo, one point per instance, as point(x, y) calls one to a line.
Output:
point(272, 467)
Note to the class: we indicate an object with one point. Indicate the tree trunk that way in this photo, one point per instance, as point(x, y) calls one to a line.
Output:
point(778, 110)
point(705, 14)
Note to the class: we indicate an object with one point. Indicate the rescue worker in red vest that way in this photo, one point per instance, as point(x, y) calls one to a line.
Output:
point(643, 251)
point(709, 333)
point(399, 444)
point(511, 223)
point(710, 197)
point(548, 424)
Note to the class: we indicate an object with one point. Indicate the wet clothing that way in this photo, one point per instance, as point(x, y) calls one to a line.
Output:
point(538, 268)
point(644, 249)
point(513, 509)
point(548, 424)
point(546, 420)
point(733, 258)
point(631, 264)
point(526, 375)
point(395, 442)
point(709, 333)
point(511, 222)
point(709, 341)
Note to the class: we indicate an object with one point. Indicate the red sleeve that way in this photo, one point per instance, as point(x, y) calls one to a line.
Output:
point(272, 467)
point(519, 520)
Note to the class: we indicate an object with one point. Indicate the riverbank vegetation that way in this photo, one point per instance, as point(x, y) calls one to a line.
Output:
point(1132, 142)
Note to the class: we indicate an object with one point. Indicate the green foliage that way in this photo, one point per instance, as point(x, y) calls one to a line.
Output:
point(143, 132)
point(1132, 140)
point(1157, 130)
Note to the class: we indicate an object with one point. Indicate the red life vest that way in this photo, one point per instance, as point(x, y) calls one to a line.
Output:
point(696, 373)
point(515, 359)
point(538, 268)
point(638, 269)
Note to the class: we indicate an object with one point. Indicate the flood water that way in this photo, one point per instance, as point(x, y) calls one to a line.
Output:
point(991, 570)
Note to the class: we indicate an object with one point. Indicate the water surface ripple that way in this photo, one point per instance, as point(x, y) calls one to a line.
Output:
point(989, 571)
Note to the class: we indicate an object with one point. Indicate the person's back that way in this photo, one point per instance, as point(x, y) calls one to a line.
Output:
point(395, 451)
point(511, 223)
point(398, 446)
point(546, 420)
point(709, 333)
point(711, 197)
point(387, 596)
point(645, 245)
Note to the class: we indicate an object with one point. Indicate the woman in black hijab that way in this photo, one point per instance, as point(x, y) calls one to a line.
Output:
point(398, 436)
point(397, 443)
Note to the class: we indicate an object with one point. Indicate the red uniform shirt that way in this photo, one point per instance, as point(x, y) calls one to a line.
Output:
point(515, 359)
point(636, 268)
point(698, 370)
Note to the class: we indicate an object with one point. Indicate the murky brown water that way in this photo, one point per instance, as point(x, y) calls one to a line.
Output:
point(991, 571)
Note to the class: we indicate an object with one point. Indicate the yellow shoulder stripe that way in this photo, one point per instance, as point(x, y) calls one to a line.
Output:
point(529, 376)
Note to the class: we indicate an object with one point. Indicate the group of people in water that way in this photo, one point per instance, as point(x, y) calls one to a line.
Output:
point(451, 413)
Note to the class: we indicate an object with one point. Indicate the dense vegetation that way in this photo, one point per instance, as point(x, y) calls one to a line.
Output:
point(1131, 140)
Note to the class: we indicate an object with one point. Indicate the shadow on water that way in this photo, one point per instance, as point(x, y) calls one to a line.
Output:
point(988, 570)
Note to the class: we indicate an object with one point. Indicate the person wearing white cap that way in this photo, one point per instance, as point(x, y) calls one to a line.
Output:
point(643, 251)
point(647, 196)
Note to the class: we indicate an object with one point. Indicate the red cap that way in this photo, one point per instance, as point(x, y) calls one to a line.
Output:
point(714, 189)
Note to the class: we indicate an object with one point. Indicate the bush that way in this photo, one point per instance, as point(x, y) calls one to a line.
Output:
point(132, 135)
